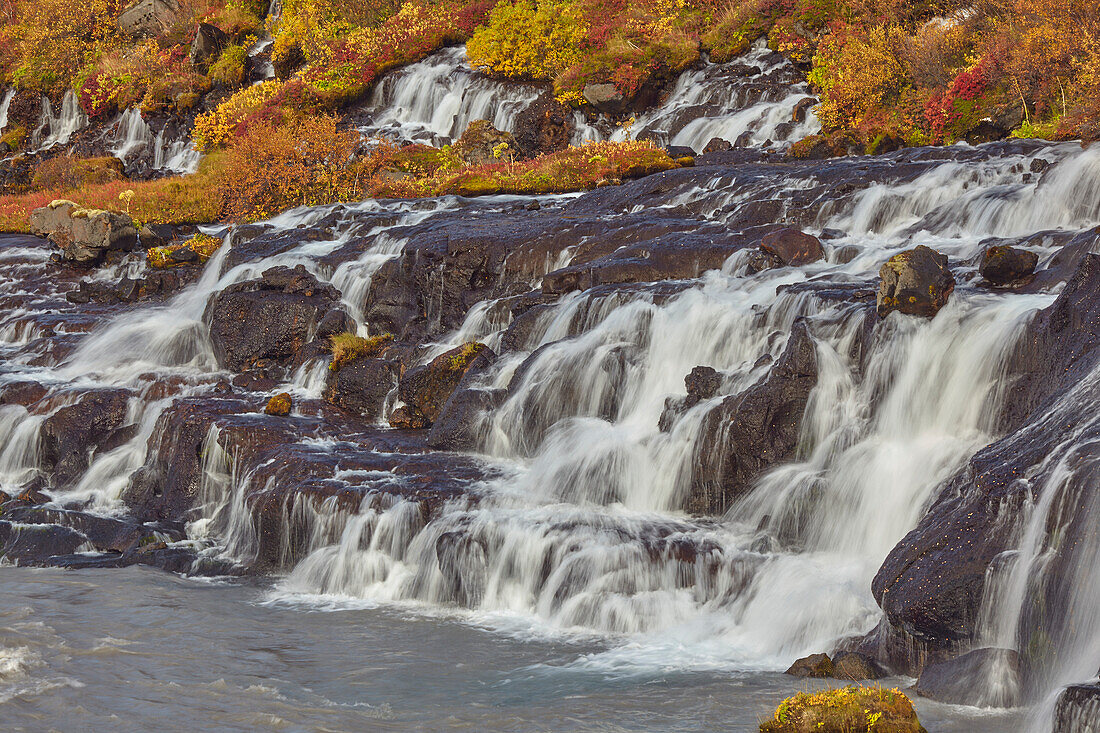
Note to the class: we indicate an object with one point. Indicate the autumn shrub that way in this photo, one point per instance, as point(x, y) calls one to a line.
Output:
point(306, 162)
point(143, 75)
point(230, 69)
point(55, 38)
point(853, 709)
point(66, 173)
point(215, 129)
point(527, 40)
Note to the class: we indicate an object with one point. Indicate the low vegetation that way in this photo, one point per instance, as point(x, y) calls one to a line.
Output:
point(347, 347)
point(853, 709)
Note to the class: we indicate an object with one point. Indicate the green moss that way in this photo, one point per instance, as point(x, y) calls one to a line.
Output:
point(229, 69)
point(348, 347)
point(853, 709)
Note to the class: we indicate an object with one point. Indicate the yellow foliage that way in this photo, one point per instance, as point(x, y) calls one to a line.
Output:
point(214, 129)
point(523, 40)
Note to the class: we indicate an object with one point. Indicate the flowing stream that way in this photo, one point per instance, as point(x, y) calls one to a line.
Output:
point(565, 587)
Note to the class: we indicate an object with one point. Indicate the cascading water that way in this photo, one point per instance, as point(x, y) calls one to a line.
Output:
point(58, 129)
point(5, 105)
point(434, 100)
point(574, 520)
point(750, 102)
point(131, 134)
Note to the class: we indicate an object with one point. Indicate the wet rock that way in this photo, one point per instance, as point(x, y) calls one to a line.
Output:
point(1059, 347)
point(209, 42)
point(701, 383)
point(1003, 265)
point(1077, 709)
point(150, 18)
point(792, 247)
point(270, 318)
point(165, 488)
point(749, 432)
point(815, 665)
point(546, 126)
point(279, 405)
point(335, 322)
point(915, 282)
point(855, 666)
point(459, 425)
point(985, 677)
point(802, 109)
point(408, 418)
point(480, 141)
point(23, 393)
point(361, 387)
point(427, 388)
point(105, 534)
point(35, 544)
point(126, 290)
point(69, 437)
point(717, 145)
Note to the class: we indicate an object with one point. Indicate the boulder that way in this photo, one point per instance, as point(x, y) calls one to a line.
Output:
point(149, 18)
point(361, 387)
point(792, 247)
point(815, 665)
point(845, 710)
point(459, 425)
point(23, 393)
point(984, 677)
point(34, 544)
point(1004, 265)
point(605, 97)
point(56, 215)
point(279, 405)
point(916, 282)
point(70, 436)
point(209, 42)
point(427, 388)
point(84, 236)
point(855, 667)
point(748, 433)
point(718, 145)
point(480, 141)
point(407, 418)
point(701, 383)
point(1078, 709)
point(268, 319)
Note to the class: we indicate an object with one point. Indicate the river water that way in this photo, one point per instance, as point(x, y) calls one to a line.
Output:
point(132, 650)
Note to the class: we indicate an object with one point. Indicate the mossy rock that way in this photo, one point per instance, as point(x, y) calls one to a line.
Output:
point(853, 709)
point(279, 405)
point(349, 347)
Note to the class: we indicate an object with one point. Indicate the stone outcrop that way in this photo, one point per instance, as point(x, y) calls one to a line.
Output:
point(481, 141)
point(73, 434)
point(266, 322)
point(149, 18)
point(983, 677)
point(754, 430)
point(915, 282)
point(426, 389)
point(84, 236)
point(209, 42)
point(1004, 266)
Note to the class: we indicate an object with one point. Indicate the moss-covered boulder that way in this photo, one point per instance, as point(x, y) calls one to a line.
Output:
point(1006, 266)
point(482, 143)
point(916, 282)
point(279, 405)
point(853, 709)
point(425, 389)
point(815, 665)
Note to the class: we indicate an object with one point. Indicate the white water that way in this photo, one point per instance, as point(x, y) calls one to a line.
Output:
point(58, 129)
point(131, 134)
point(435, 100)
point(721, 101)
point(5, 105)
point(131, 137)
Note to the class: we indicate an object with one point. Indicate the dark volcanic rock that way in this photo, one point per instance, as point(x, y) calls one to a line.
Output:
point(427, 388)
point(480, 141)
point(855, 666)
point(34, 544)
point(815, 665)
point(931, 584)
point(1003, 265)
point(916, 282)
point(1077, 709)
point(792, 247)
point(546, 126)
point(70, 436)
point(458, 427)
point(270, 318)
point(209, 42)
point(361, 387)
point(986, 677)
point(754, 430)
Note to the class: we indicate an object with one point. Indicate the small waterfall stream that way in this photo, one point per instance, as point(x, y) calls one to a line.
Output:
point(58, 129)
point(5, 105)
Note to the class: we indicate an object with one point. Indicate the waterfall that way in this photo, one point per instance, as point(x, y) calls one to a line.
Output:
point(434, 100)
point(750, 102)
point(130, 135)
point(5, 105)
point(58, 130)
point(178, 156)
